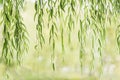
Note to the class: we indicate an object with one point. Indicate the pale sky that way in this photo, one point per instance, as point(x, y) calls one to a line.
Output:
point(31, 0)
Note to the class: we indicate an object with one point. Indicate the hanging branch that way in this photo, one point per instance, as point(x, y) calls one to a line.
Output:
point(102, 31)
point(72, 5)
point(8, 46)
point(62, 42)
point(70, 27)
point(99, 23)
point(116, 6)
point(118, 37)
point(53, 29)
point(61, 11)
point(71, 23)
point(92, 53)
point(53, 34)
point(62, 5)
point(85, 24)
point(20, 33)
point(81, 39)
point(39, 8)
point(14, 33)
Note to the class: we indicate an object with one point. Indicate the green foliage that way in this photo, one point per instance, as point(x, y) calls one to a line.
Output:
point(1, 1)
point(20, 33)
point(15, 41)
point(39, 8)
point(53, 30)
point(93, 15)
point(118, 37)
point(8, 46)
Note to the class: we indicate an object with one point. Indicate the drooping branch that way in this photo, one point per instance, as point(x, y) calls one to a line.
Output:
point(20, 33)
point(53, 29)
point(14, 33)
point(8, 39)
point(39, 8)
